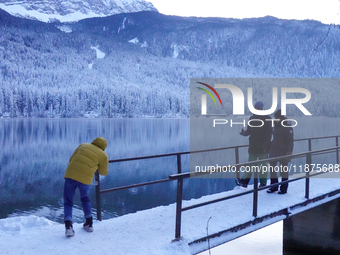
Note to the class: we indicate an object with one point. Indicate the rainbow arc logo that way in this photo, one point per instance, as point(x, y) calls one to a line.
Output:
point(209, 93)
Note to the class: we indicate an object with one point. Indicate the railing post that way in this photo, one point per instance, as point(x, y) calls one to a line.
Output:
point(308, 162)
point(179, 199)
point(337, 150)
point(255, 194)
point(98, 197)
point(237, 160)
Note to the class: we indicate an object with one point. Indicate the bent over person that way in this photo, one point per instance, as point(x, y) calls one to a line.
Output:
point(83, 164)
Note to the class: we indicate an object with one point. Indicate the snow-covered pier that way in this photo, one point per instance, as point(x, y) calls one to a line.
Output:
point(152, 231)
point(188, 226)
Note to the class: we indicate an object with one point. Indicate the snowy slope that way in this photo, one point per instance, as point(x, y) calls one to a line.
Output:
point(72, 10)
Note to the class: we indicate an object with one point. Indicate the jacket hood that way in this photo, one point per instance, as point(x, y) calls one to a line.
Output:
point(100, 142)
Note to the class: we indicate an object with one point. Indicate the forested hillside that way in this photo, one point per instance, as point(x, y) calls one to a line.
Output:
point(140, 64)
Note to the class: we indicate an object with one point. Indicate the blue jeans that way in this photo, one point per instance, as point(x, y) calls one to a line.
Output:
point(69, 191)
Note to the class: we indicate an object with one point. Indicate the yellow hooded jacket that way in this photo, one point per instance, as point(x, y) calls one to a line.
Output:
point(86, 159)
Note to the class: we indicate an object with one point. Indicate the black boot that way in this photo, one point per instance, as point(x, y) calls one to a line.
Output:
point(69, 228)
point(272, 190)
point(88, 225)
point(241, 182)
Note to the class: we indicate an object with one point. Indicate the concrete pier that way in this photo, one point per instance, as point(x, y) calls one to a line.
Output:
point(315, 231)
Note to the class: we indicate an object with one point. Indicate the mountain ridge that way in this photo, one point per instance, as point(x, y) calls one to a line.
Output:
point(140, 64)
point(72, 10)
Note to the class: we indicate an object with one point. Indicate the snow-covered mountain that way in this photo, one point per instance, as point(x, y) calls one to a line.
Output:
point(140, 64)
point(72, 10)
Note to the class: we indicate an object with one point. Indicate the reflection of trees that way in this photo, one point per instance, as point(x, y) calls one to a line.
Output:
point(35, 152)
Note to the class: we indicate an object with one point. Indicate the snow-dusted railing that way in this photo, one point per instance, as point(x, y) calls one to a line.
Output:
point(179, 171)
point(181, 176)
point(308, 155)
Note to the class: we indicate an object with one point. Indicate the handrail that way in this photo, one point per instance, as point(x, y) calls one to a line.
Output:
point(181, 176)
point(206, 150)
point(250, 191)
point(316, 138)
point(134, 185)
point(147, 157)
point(297, 155)
point(308, 154)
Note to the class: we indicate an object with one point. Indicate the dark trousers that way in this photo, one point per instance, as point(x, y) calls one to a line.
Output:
point(263, 175)
point(273, 175)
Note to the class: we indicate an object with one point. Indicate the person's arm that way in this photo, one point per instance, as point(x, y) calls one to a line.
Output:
point(290, 140)
point(268, 134)
point(244, 132)
point(103, 166)
point(247, 131)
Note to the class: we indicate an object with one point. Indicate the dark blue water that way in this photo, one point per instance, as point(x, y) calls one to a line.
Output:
point(35, 152)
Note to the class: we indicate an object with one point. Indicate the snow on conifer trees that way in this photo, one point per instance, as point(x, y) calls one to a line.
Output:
point(45, 72)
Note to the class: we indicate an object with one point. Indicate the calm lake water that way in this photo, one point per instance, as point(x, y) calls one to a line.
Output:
point(35, 153)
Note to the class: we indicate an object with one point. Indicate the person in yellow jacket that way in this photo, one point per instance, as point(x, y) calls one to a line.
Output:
point(84, 162)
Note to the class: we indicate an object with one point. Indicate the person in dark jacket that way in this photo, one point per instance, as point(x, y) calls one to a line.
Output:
point(282, 145)
point(259, 144)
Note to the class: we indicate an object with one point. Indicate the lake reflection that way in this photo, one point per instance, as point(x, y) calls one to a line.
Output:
point(35, 153)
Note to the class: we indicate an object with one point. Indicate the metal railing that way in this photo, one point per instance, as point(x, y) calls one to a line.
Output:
point(179, 177)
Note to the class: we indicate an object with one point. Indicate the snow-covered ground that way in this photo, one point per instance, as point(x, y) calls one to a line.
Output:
point(99, 53)
point(151, 231)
